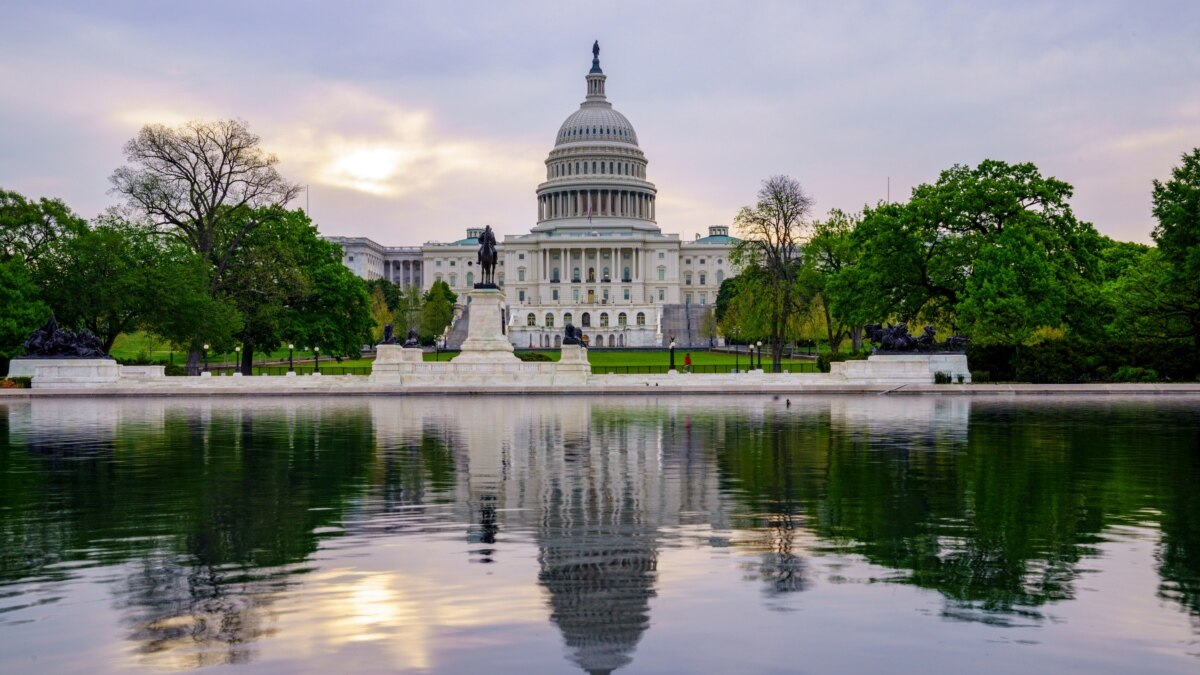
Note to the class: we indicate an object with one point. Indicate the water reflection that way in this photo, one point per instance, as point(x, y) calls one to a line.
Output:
point(217, 523)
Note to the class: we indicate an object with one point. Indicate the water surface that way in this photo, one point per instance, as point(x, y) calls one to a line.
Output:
point(560, 534)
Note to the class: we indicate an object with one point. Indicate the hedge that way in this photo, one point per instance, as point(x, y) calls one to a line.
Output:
point(1069, 360)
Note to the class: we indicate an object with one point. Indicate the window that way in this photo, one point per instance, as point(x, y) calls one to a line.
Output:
point(662, 294)
point(605, 273)
point(549, 320)
point(567, 318)
point(520, 296)
point(604, 319)
point(687, 279)
point(662, 255)
point(702, 297)
point(662, 274)
point(641, 318)
point(554, 294)
point(687, 261)
point(470, 279)
point(520, 274)
point(437, 277)
point(453, 280)
point(702, 277)
point(575, 275)
point(500, 279)
point(530, 320)
point(626, 293)
point(687, 298)
point(350, 258)
point(702, 261)
point(438, 263)
point(575, 293)
point(520, 256)
point(452, 263)
point(585, 319)
point(554, 275)
point(622, 319)
point(720, 276)
point(625, 276)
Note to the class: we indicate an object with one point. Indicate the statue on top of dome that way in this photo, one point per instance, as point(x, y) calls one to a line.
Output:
point(596, 49)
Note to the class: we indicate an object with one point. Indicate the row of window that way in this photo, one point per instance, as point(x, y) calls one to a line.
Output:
point(595, 131)
point(585, 319)
point(576, 168)
point(687, 278)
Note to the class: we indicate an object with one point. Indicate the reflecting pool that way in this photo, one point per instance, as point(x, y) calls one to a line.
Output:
point(567, 534)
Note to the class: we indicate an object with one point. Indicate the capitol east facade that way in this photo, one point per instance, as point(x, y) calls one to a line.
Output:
point(596, 257)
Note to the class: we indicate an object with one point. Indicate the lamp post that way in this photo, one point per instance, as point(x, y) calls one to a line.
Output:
point(672, 354)
point(760, 354)
point(291, 348)
point(206, 357)
point(237, 359)
point(317, 360)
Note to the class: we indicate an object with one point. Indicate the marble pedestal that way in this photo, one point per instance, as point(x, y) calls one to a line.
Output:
point(74, 372)
point(901, 368)
point(486, 341)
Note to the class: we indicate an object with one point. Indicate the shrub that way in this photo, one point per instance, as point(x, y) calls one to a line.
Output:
point(16, 383)
point(824, 360)
point(995, 360)
point(960, 378)
point(941, 378)
point(533, 356)
point(174, 370)
point(1135, 374)
point(979, 376)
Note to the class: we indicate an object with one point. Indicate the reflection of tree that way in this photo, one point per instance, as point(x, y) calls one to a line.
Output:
point(597, 555)
point(1179, 558)
point(214, 514)
point(416, 471)
point(996, 521)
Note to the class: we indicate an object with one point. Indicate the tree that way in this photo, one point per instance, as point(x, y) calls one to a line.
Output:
point(28, 227)
point(109, 279)
point(194, 182)
point(20, 310)
point(283, 277)
point(1177, 208)
point(381, 316)
point(994, 251)
point(772, 232)
point(438, 311)
point(830, 252)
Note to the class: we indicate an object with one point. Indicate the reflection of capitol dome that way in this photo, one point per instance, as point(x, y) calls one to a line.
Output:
point(596, 173)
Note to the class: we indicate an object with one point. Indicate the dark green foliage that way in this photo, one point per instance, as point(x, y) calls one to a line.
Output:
point(994, 251)
point(941, 378)
point(533, 356)
point(16, 383)
point(437, 311)
point(1134, 374)
point(28, 227)
point(823, 360)
point(980, 376)
point(21, 312)
point(1072, 360)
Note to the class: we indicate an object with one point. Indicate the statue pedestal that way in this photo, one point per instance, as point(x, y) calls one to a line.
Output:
point(914, 368)
point(486, 341)
point(74, 372)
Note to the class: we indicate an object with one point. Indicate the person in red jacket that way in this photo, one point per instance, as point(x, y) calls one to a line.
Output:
point(687, 363)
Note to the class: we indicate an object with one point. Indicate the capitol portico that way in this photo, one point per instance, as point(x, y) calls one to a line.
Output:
point(596, 257)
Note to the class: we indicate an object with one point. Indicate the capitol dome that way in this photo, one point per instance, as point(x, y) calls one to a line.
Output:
point(596, 121)
point(596, 173)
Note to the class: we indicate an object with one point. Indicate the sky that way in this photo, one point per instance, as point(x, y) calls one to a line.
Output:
point(412, 121)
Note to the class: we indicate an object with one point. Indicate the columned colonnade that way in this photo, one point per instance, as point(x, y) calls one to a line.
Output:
point(582, 203)
point(568, 255)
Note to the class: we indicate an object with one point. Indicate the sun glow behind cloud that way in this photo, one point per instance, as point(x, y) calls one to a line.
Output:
point(346, 138)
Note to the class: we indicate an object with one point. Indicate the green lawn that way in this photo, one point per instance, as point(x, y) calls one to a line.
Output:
point(618, 357)
point(142, 345)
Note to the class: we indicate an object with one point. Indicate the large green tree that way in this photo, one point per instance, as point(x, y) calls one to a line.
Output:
point(289, 285)
point(1177, 208)
point(110, 279)
point(830, 252)
point(994, 251)
point(194, 183)
point(28, 227)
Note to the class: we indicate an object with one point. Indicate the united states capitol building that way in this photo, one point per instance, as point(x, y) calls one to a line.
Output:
point(596, 257)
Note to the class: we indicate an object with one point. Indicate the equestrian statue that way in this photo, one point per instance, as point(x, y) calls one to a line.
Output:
point(487, 258)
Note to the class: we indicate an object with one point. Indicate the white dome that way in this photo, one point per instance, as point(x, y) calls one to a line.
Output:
point(596, 122)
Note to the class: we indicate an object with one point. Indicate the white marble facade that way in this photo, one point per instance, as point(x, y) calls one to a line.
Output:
point(596, 256)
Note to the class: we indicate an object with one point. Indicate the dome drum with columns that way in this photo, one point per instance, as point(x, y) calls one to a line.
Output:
point(596, 257)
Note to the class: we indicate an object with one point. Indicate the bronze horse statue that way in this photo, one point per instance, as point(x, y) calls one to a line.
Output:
point(487, 258)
